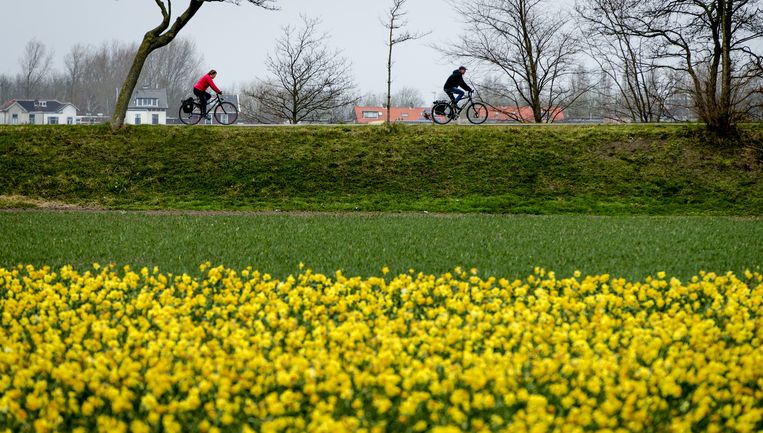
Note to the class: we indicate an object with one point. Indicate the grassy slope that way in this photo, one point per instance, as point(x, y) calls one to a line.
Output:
point(504, 246)
point(505, 169)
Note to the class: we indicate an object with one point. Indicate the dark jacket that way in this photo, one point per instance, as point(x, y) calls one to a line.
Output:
point(456, 80)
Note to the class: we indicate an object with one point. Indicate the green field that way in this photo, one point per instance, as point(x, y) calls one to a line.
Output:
point(507, 246)
point(556, 169)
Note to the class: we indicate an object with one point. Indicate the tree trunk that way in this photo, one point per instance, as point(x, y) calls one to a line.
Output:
point(153, 40)
point(294, 103)
point(125, 93)
point(389, 75)
point(725, 122)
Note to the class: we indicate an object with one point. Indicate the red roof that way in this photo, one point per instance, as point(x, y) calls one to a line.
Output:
point(416, 114)
point(7, 104)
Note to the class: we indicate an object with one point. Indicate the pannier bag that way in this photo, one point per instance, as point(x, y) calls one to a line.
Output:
point(187, 105)
point(440, 107)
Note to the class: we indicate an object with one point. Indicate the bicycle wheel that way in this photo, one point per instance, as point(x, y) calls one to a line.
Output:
point(191, 118)
point(442, 113)
point(226, 113)
point(477, 113)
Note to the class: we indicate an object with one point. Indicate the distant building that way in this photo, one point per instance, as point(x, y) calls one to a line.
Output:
point(93, 119)
point(37, 112)
point(147, 107)
point(397, 114)
point(372, 115)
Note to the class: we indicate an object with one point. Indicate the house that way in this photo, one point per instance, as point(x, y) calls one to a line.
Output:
point(524, 114)
point(372, 115)
point(37, 112)
point(397, 114)
point(147, 107)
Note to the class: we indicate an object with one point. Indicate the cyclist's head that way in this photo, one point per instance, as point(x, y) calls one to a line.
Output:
point(462, 69)
point(212, 73)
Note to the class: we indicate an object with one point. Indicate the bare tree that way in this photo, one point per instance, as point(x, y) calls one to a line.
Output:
point(308, 79)
point(6, 88)
point(395, 23)
point(531, 48)
point(74, 63)
point(249, 107)
point(156, 38)
point(371, 99)
point(35, 65)
point(710, 41)
point(628, 60)
point(106, 67)
point(407, 97)
point(583, 107)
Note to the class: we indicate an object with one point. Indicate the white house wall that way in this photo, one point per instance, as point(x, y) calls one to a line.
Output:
point(67, 113)
point(22, 118)
point(68, 116)
point(145, 117)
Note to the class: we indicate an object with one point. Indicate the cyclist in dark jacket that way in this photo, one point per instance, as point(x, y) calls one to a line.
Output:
point(452, 84)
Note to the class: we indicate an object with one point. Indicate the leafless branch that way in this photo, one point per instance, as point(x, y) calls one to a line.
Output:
point(396, 24)
point(307, 80)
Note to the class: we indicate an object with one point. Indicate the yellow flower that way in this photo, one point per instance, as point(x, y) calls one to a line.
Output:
point(446, 429)
point(348, 352)
point(138, 426)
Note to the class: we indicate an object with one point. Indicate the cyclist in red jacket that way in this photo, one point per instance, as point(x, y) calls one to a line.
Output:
point(200, 89)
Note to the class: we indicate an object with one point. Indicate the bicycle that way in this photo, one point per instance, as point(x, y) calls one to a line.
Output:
point(445, 111)
point(225, 113)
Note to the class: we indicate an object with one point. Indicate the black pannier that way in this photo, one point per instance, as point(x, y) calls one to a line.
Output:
point(187, 105)
point(439, 107)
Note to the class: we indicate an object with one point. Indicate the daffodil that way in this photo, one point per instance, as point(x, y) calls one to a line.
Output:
point(113, 349)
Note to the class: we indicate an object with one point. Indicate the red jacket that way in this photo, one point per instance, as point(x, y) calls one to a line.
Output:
point(206, 82)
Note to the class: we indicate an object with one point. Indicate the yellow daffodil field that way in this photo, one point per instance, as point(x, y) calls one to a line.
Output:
point(118, 350)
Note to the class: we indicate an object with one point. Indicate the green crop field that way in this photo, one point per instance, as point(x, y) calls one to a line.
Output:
point(506, 246)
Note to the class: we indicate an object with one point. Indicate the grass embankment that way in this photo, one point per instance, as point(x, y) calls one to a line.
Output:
point(503, 246)
point(607, 170)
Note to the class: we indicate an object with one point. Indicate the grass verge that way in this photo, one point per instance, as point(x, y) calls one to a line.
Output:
point(605, 170)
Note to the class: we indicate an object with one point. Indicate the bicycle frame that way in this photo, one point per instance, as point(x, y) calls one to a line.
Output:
point(476, 111)
point(468, 99)
point(211, 103)
point(224, 112)
point(464, 102)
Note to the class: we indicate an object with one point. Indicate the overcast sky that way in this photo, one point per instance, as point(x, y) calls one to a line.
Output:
point(354, 26)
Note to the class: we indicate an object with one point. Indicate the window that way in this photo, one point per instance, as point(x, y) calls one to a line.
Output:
point(371, 114)
point(155, 119)
point(147, 102)
point(41, 104)
point(32, 119)
point(70, 121)
point(53, 120)
point(137, 119)
point(14, 119)
point(404, 115)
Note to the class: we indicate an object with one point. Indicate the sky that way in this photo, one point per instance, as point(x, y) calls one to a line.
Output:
point(354, 27)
